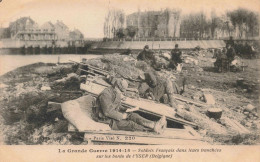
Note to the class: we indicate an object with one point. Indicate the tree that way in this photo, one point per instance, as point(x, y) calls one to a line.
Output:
point(195, 25)
point(246, 21)
point(114, 20)
point(214, 23)
point(176, 21)
point(120, 33)
point(253, 24)
point(131, 31)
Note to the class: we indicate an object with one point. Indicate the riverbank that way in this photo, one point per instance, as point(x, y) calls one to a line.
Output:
point(24, 118)
point(11, 62)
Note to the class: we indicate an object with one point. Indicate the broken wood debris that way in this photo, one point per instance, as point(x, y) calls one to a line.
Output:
point(88, 71)
point(144, 105)
point(175, 96)
point(234, 125)
point(101, 71)
point(204, 123)
point(170, 136)
point(189, 101)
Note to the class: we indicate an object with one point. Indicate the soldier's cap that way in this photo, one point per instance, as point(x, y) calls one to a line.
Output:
point(121, 84)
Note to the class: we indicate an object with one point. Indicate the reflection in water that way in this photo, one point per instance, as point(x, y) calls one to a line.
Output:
point(11, 62)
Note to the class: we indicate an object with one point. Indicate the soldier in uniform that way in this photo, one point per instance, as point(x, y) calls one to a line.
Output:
point(110, 110)
point(146, 55)
point(175, 57)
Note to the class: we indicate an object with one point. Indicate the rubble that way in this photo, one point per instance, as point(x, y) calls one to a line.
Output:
point(250, 108)
point(209, 99)
point(26, 103)
point(71, 82)
point(3, 85)
point(45, 88)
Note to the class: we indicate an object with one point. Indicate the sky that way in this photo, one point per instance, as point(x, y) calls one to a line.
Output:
point(88, 15)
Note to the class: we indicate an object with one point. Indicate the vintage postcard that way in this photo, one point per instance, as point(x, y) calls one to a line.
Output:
point(146, 80)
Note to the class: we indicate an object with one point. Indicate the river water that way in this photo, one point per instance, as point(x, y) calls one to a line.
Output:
point(11, 62)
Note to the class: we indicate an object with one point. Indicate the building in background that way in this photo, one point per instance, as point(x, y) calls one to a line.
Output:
point(76, 38)
point(76, 35)
point(61, 30)
point(24, 24)
point(5, 33)
point(164, 23)
point(27, 32)
point(171, 23)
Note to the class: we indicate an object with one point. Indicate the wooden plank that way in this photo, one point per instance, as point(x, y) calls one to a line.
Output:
point(144, 105)
point(203, 122)
point(241, 127)
point(87, 71)
point(187, 100)
point(103, 72)
point(234, 125)
point(101, 81)
point(98, 70)
point(168, 133)
point(119, 136)
point(192, 131)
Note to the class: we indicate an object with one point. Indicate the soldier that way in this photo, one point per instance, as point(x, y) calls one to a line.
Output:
point(146, 55)
point(110, 110)
point(230, 42)
point(175, 57)
point(230, 53)
point(221, 59)
point(157, 88)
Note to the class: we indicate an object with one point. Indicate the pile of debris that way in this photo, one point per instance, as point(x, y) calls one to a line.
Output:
point(59, 94)
point(201, 111)
point(121, 66)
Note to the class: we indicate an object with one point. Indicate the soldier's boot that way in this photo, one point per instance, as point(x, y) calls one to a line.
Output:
point(160, 125)
point(149, 124)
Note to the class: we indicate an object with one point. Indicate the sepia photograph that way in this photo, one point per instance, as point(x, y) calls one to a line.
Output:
point(131, 73)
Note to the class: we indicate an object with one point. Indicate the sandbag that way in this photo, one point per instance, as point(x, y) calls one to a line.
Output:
point(78, 113)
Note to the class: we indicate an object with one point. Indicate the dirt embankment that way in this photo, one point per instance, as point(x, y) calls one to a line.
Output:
point(24, 102)
point(24, 96)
